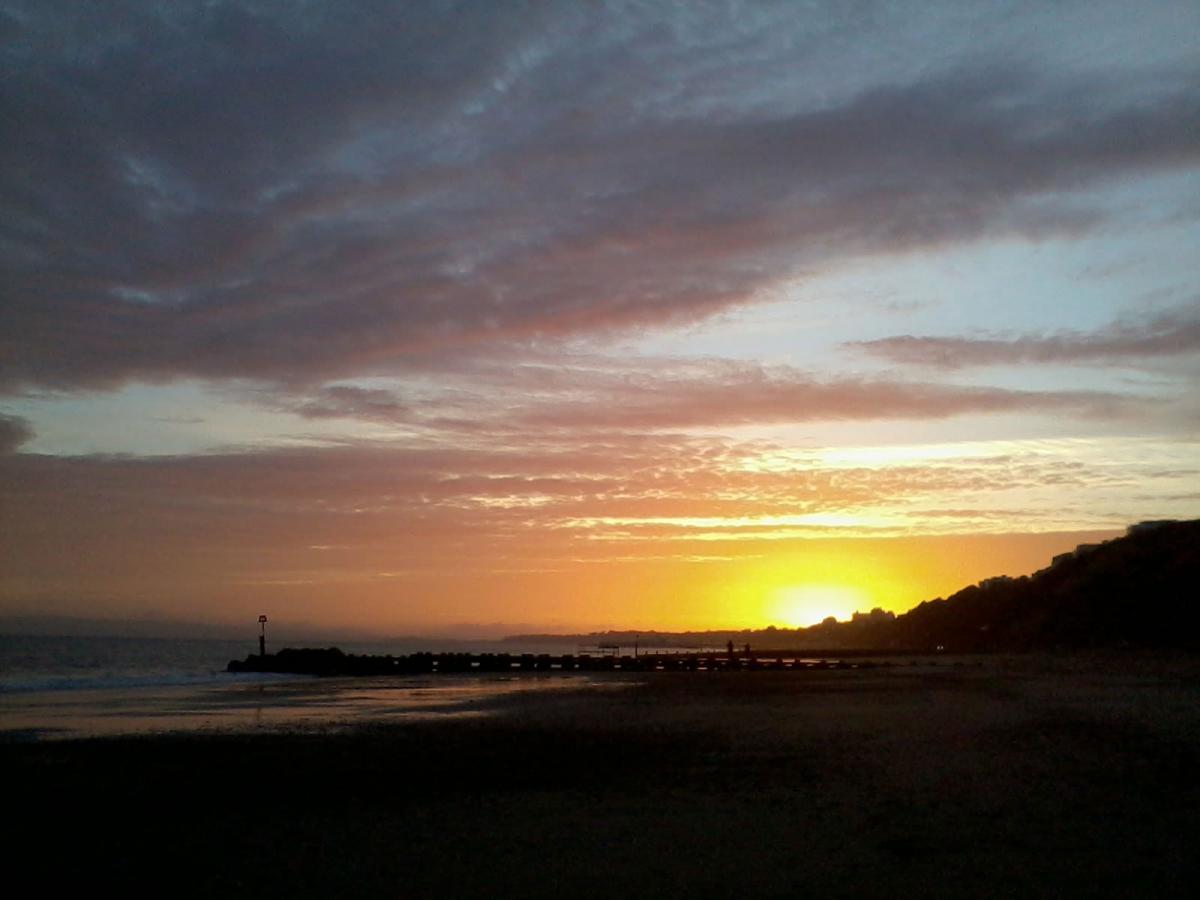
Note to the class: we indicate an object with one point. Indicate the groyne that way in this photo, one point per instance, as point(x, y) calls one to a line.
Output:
point(332, 661)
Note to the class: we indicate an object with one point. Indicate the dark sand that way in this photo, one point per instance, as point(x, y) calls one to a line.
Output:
point(992, 778)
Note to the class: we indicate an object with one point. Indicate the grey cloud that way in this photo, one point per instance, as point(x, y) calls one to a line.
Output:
point(338, 401)
point(632, 395)
point(742, 395)
point(1128, 342)
point(14, 431)
point(261, 191)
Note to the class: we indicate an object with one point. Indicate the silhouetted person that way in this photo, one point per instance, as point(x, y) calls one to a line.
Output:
point(747, 650)
point(729, 648)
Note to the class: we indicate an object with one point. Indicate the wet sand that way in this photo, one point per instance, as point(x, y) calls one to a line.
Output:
point(265, 703)
point(994, 778)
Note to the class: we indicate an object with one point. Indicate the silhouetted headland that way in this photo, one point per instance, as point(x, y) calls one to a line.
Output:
point(1133, 591)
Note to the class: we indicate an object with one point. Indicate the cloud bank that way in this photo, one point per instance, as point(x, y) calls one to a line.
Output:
point(1172, 335)
point(14, 431)
point(274, 192)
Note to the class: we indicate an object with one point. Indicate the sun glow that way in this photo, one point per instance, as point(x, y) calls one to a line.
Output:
point(799, 605)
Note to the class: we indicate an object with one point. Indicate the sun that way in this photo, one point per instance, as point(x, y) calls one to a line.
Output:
point(799, 605)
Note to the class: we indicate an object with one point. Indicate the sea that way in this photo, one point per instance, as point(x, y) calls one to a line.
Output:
point(56, 686)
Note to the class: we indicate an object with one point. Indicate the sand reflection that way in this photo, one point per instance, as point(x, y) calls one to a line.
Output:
point(268, 703)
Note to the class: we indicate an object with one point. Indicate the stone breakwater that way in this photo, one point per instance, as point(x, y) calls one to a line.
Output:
point(332, 661)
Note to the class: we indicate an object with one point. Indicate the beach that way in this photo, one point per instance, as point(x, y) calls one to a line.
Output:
point(244, 705)
point(976, 777)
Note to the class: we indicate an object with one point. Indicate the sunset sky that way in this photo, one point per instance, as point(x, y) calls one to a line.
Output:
point(404, 317)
